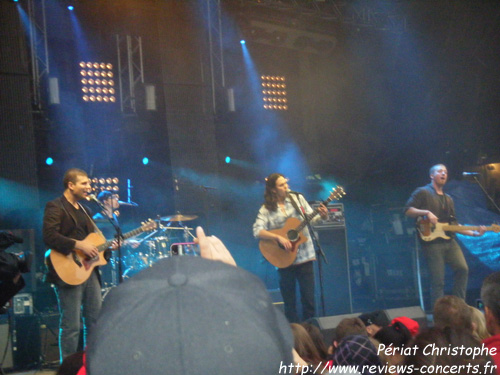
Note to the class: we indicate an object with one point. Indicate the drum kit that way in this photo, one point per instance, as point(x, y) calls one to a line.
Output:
point(166, 241)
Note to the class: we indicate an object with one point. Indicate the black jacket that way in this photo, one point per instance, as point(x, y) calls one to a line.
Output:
point(60, 229)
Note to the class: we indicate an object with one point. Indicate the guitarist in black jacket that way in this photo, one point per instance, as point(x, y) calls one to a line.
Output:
point(431, 203)
point(66, 224)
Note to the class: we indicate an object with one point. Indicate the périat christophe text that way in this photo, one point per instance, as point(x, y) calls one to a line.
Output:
point(429, 350)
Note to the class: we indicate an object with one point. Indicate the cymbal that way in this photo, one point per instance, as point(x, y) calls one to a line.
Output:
point(178, 217)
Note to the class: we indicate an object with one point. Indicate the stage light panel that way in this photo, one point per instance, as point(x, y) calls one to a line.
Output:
point(96, 78)
point(273, 92)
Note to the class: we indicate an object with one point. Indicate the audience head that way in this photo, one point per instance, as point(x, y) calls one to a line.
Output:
point(317, 338)
point(189, 315)
point(304, 344)
point(479, 324)
point(374, 321)
point(442, 356)
point(349, 327)
point(396, 335)
point(433, 336)
point(451, 311)
point(490, 294)
point(357, 350)
point(412, 325)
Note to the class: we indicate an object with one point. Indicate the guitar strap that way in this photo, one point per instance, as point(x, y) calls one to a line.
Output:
point(96, 229)
point(294, 204)
point(445, 206)
point(94, 226)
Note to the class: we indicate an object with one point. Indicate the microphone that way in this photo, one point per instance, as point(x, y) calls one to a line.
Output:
point(132, 204)
point(294, 192)
point(92, 197)
point(466, 174)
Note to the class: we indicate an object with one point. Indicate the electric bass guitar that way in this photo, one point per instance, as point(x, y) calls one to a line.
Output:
point(429, 232)
point(75, 268)
point(275, 253)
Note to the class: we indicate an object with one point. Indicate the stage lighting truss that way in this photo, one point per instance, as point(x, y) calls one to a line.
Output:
point(97, 82)
point(105, 183)
point(274, 93)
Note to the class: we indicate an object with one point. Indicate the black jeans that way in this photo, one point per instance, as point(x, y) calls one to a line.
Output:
point(303, 274)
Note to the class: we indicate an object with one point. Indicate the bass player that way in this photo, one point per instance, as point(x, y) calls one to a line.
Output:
point(431, 203)
point(280, 205)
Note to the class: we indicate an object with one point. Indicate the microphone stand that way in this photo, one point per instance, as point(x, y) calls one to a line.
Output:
point(486, 193)
point(319, 254)
point(118, 236)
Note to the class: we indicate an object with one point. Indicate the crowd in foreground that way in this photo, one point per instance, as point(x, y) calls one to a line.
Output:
point(205, 315)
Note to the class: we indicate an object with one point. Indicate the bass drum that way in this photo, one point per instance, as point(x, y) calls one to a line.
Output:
point(159, 248)
point(135, 262)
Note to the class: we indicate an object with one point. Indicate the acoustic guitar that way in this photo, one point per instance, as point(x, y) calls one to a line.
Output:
point(275, 253)
point(75, 268)
point(429, 232)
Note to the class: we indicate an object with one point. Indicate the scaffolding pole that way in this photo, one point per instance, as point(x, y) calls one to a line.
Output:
point(130, 71)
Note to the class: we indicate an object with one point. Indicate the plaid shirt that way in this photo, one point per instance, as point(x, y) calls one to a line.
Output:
point(357, 350)
point(267, 220)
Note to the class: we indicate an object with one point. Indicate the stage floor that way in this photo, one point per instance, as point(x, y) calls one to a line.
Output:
point(33, 372)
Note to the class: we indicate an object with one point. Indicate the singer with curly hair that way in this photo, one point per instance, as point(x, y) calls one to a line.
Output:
point(279, 205)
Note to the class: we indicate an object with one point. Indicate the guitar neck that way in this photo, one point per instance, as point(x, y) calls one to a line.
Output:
point(459, 228)
point(132, 233)
point(313, 214)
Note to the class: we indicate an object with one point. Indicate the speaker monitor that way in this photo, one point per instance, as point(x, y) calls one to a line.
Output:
point(29, 340)
point(335, 273)
point(5, 347)
point(328, 324)
point(26, 341)
point(414, 312)
point(49, 329)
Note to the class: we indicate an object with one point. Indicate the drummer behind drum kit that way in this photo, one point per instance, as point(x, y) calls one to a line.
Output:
point(165, 242)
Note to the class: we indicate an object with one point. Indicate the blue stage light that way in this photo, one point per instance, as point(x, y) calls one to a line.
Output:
point(228, 159)
point(242, 41)
point(49, 161)
point(145, 161)
point(71, 7)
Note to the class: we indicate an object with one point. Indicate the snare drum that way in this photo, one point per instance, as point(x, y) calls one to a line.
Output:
point(137, 261)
